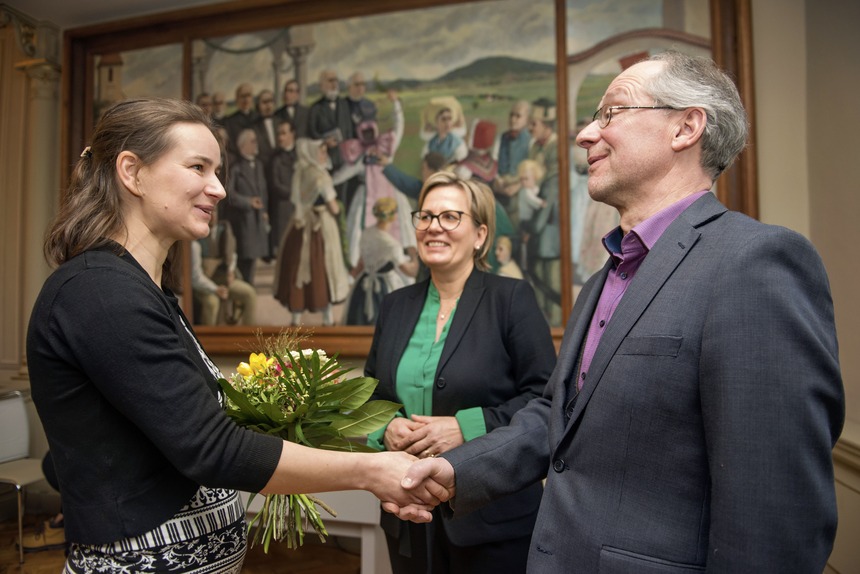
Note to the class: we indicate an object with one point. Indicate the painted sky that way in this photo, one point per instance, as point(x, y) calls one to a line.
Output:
point(415, 44)
point(437, 40)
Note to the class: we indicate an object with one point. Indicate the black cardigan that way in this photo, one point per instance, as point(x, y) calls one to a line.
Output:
point(130, 410)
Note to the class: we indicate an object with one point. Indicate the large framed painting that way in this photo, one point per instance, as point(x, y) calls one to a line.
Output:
point(375, 97)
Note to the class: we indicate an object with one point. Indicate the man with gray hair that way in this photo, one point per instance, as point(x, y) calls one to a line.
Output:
point(329, 120)
point(689, 423)
point(247, 201)
point(360, 108)
point(329, 117)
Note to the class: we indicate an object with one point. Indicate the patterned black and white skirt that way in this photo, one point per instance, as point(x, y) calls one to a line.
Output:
point(207, 536)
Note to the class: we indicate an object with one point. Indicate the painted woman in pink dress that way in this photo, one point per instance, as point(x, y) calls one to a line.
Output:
point(360, 158)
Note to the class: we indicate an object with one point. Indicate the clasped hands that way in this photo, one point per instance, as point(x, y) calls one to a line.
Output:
point(428, 481)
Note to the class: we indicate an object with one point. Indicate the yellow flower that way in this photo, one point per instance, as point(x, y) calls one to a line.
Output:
point(244, 369)
point(259, 364)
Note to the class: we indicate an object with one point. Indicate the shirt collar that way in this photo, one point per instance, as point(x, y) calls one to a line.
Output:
point(647, 232)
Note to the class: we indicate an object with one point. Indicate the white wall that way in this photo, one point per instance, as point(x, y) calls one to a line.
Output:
point(807, 69)
point(833, 126)
point(779, 49)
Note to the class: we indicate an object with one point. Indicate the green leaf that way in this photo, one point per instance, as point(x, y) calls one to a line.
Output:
point(316, 436)
point(276, 416)
point(344, 444)
point(365, 419)
point(349, 394)
point(244, 406)
point(300, 436)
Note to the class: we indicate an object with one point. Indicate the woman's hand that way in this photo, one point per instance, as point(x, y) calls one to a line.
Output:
point(398, 434)
point(387, 472)
point(435, 436)
point(439, 472)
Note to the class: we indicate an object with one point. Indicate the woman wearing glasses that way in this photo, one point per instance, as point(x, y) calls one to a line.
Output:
point(462, 351)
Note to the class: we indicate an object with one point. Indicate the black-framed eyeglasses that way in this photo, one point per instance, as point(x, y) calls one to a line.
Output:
point(603, 115)
point(448, 220)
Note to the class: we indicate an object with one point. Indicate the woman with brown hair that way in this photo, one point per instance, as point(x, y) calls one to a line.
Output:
point(148, 461)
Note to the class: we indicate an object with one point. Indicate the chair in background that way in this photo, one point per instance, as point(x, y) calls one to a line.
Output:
point(16, 466)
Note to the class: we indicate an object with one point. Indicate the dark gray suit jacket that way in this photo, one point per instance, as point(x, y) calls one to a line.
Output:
point(701, 441)
point(249, 227)
point(497, 356)
point(299, 120)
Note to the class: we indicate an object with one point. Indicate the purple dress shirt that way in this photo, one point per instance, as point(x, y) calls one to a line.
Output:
point(627, 253)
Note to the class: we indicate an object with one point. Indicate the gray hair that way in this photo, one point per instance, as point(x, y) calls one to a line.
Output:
point(692, 82)
point(244, 136)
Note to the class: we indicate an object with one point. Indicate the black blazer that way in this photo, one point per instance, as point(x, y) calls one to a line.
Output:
point(498, 355)
point(299, 121)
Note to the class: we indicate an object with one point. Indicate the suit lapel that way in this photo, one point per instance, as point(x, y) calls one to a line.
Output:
point(406, 317)
point(563, 380)
point(575, 333)
point(466, 307)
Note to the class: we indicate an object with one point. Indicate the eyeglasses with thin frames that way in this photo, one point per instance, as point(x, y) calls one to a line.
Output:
point(603, 115)
point(448, 220)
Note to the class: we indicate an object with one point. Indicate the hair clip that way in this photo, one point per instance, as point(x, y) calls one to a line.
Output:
point(87, 153)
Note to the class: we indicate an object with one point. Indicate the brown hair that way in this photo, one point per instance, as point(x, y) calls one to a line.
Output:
point(483, 207)
point(90, 212)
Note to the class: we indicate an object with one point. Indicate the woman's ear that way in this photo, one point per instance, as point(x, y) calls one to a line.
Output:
point(127, 168)
point(483, 231)
point(690, 129)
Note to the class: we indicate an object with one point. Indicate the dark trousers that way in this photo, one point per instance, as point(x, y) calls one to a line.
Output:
point(502, 557)
point(247, 267)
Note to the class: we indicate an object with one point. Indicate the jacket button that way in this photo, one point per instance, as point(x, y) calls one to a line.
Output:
point(558, 465)
point(440, 382)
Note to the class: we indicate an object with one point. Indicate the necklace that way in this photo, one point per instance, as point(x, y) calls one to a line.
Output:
point(445, 314)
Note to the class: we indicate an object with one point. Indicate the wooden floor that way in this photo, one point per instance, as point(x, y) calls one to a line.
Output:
point(312, 558)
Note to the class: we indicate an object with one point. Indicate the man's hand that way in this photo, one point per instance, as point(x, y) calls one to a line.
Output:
point(429, 474)
point(386, 483)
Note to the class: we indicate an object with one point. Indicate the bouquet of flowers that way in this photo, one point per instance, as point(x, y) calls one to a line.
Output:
point(305, 397)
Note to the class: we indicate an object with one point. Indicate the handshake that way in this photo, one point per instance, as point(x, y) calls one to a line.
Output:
point(411, 488)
